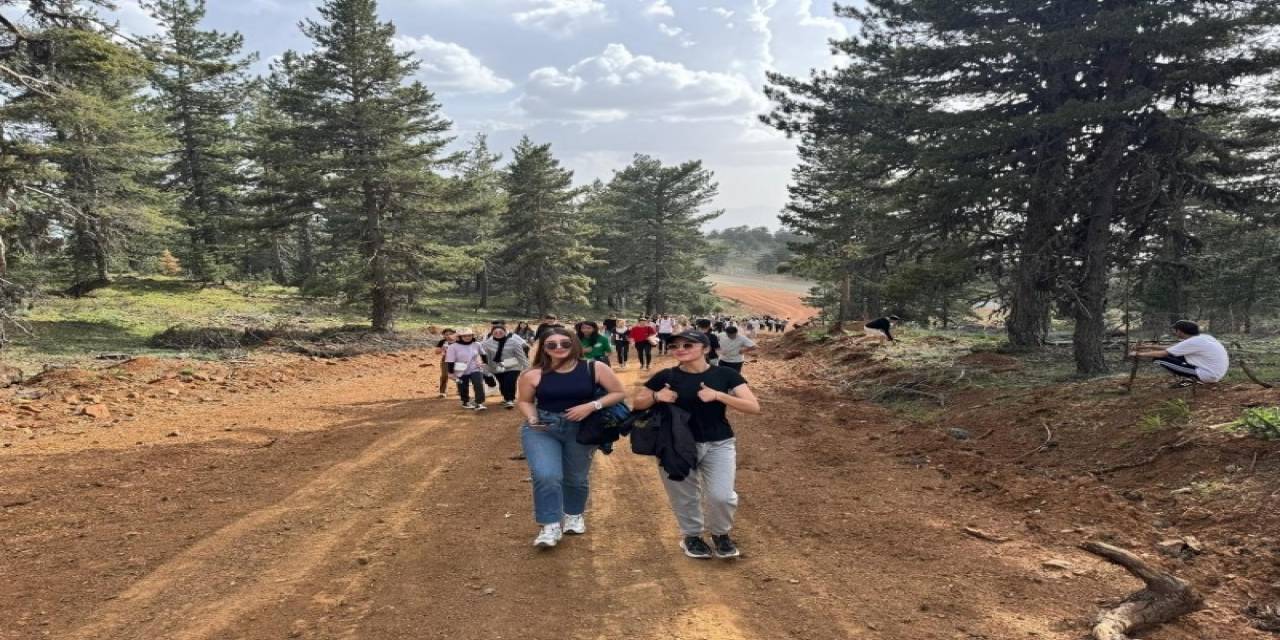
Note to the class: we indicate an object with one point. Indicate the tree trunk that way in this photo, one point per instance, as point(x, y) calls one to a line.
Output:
point(381, 305)
point(1028, 322)
point(846, 311)
point(483, 281)
point(306, 253)
point(1091, 303)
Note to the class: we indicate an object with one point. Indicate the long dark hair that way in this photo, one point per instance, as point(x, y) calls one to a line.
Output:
point(543, 360)
point(595, 329)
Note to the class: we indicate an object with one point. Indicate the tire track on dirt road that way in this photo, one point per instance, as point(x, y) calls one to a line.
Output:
point(264, 556)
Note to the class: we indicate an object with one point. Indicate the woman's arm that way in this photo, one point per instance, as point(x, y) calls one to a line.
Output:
point(740, 398)
point(526, 387)
point(605, 378)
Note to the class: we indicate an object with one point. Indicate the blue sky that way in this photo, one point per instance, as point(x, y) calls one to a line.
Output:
point(600, 80)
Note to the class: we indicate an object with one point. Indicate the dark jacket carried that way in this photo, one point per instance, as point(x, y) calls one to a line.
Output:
point(664, 432)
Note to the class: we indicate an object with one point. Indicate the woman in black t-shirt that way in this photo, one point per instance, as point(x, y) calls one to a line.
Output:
point(705, 391)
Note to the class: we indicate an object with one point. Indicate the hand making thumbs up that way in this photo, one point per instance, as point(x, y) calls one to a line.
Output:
point(707, 394)
point(667, 394)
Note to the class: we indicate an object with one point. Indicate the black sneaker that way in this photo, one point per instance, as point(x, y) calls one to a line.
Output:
point(694, 547)
point(724, 547)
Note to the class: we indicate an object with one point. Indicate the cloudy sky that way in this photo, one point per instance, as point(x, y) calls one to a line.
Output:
point(600, 80)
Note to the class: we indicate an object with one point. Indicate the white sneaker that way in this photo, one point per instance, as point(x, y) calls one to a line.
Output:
point(549, 536)
point(509, 404)
point(575, 524)
point(444, 395)
point(481, 407)
point(469, 405)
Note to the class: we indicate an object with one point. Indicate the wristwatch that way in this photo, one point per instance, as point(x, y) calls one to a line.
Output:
point(597, 405)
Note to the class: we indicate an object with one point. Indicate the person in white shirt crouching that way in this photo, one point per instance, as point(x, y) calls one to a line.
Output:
point(1197, 357)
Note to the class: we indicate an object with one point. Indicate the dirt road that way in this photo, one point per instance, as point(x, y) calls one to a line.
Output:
point(355, 506)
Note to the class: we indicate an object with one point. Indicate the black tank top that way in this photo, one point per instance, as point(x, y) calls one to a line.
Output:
point(559, 392)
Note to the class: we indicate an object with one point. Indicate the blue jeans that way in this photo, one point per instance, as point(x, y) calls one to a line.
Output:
point(561, 468)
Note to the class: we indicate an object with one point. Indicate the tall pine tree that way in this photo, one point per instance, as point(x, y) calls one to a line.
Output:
point(380, 139)
point(201, 88)
point(545, 246)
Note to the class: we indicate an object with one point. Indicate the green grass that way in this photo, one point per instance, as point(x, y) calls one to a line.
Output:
point(123, 317)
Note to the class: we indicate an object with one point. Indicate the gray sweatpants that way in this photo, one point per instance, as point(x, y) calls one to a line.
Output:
point(707, 491)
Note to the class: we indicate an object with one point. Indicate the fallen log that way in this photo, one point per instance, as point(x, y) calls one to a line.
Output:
point(1165, 598)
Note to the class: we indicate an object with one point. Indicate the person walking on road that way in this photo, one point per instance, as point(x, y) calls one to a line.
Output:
point(666, 328)
point(713, 343)
point(595, 346)
point(734, 347)
point(463, 358)
point(446, 338)
point(524, 331)
point(643, 335)
point(621, 342)
point(555, 395)
point(1198, 357)
point(505, 357)
point(706, 499)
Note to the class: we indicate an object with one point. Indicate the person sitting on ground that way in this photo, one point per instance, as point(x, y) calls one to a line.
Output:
point(505, 357)
point(555, 395)
point(705, 392)
point(1196, 357)
point(881, 328)
point(463, 358)
point(734, 347)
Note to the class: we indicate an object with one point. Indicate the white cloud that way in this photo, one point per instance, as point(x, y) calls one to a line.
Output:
point(669, 31)
point(134, 19)
point(451, 67)
point(720, 11)
point(562, 18)
point(618, 85)
point(660, 8)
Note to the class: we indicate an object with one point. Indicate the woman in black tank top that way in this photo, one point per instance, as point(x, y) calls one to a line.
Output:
point(555, 395)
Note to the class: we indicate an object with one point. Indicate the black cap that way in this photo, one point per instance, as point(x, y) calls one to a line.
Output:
point(692, 336)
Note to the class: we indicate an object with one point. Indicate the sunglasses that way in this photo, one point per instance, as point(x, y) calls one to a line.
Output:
point(558, 344)
point(681, 346)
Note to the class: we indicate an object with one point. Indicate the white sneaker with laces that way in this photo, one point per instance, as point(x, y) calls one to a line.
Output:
point(480, 407)
point(469, 405)
point(575, 524)
point(509, 404)
point(549, 536)
point(444, 395)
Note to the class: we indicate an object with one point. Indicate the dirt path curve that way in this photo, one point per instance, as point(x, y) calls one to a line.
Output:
point(403, 517)
point(775, 302)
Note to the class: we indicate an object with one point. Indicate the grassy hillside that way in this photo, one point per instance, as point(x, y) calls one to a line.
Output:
point(124, 316)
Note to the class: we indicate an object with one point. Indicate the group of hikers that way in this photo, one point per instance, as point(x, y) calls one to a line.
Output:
point(560, 377)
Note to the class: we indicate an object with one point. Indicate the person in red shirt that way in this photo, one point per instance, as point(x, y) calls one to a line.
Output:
point(642, 335)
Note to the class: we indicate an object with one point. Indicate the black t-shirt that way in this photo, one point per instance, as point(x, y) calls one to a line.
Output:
point(715, 346)
point(881, 324)
point(708, 420)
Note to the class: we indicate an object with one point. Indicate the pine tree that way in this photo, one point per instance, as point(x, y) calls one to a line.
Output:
point(379, 139)
point(480, 196)
point(201, 87)
point(97, 135)
point(664, 207)
point(545, 246)
point(286, 175)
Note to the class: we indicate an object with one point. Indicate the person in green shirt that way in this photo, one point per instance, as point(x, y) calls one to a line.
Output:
point(595, 346)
